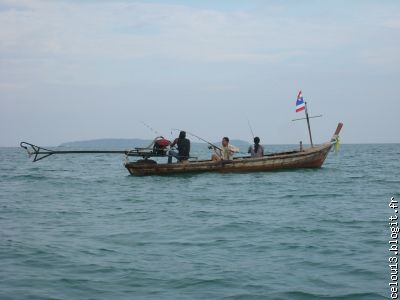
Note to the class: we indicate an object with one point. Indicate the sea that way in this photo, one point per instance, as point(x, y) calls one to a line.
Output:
point(81, 227)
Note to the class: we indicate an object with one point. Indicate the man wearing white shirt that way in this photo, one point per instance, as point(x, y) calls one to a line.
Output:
point(226, 152)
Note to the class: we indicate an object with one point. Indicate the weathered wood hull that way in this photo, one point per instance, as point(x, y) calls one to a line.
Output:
point(308, 158)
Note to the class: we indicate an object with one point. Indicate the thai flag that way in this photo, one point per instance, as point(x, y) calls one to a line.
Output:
point(300, 102)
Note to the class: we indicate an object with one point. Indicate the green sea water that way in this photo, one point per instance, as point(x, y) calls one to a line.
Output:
point(80, 227)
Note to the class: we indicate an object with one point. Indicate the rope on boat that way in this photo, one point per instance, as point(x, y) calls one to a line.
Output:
point(335, 141)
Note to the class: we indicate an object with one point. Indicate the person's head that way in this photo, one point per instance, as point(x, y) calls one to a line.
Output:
point(182, 134)
point(256, 140)
point(225, 141)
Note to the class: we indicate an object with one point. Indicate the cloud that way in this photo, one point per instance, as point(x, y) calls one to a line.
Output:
point(54, 41)
point(392, 23)
point(137, 30)
point(382, 57)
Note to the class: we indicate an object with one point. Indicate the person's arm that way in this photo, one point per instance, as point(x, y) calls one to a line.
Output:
point(217, 152)
point(233, 149)
point(249, 151)
point(262, 150)
point(174, 143)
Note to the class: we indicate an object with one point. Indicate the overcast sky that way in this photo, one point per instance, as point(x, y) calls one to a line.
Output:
point(74, 70)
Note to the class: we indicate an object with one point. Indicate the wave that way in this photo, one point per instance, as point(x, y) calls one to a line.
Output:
point(298, 295)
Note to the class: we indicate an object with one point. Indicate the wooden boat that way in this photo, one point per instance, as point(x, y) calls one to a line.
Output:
point(312, 157)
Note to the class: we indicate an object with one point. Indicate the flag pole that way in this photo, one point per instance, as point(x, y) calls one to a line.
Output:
point(308, 123)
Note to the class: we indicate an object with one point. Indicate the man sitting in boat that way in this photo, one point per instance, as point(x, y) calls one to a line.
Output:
point(183, 148)
point(226, 152)
point(256, 150)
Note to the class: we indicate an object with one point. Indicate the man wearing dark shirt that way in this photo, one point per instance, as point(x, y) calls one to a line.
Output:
point(183, 145)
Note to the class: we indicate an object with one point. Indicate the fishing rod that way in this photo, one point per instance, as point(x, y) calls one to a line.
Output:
point(151, 128)
point(211, 144)
point(154, 131)
point(201, 139)
point(251, 129)
point(252, 133)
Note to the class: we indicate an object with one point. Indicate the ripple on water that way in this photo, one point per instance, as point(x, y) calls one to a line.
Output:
point(81, 228)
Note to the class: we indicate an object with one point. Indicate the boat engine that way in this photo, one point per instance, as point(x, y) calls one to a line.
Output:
point(160, 146)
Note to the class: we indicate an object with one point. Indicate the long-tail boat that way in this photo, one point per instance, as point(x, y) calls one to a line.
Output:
point(312, 157)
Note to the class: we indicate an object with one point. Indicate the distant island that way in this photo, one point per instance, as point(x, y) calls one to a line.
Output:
point(107, 143)
point(130, 143)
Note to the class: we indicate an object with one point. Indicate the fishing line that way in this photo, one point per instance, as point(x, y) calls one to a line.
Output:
point(251, 129)
point(151, 128)
point(200, 138)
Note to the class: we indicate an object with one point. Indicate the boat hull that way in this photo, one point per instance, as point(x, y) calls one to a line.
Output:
point(309, 158)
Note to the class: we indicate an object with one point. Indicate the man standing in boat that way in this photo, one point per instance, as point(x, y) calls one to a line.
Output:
point(183, 145)
point(226, 152)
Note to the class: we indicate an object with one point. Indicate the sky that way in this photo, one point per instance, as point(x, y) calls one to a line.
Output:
point(78, 70)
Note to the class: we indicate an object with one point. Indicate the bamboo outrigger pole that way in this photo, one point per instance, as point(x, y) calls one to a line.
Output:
point(308, 122)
